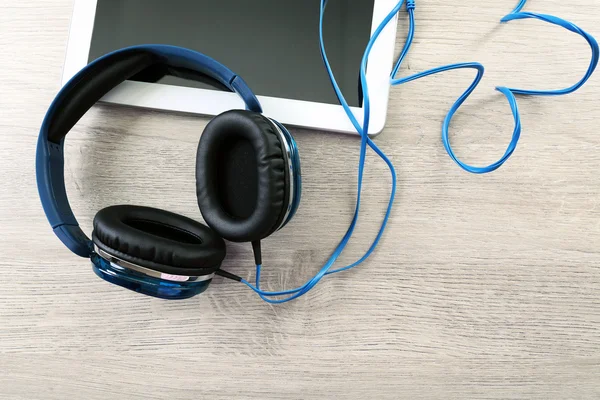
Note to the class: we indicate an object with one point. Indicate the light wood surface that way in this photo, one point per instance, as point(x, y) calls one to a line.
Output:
point(484, 287)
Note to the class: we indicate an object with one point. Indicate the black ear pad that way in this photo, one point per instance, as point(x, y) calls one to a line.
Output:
point(159, 240)
point(242, 182)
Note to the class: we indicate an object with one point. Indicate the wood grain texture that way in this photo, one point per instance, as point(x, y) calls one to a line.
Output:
point(484, 287)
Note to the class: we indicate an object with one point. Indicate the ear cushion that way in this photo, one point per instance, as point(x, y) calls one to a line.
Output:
point(158, 240)
point(248, 210)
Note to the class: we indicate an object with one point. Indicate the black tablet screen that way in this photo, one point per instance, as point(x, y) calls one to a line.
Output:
point(271, 44)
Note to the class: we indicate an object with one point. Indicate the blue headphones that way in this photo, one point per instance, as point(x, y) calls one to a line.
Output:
point(153, 251)
point(170, 256)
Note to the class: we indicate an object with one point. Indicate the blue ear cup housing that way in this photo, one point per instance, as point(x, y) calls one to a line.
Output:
point(155, 252)
point(146, 284)
point(295, 170)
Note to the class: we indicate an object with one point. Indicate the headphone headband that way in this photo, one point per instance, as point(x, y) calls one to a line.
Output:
point(85, 89)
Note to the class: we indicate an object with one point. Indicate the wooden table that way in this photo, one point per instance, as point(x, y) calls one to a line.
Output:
point(483, 287)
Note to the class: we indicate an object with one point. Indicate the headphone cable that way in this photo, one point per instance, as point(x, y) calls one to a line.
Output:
point(366, 141)
point(508, 92)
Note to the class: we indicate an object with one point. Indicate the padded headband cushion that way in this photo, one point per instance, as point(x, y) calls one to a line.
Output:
point(99, 79)
point(157, 72)
point(255, 205)
point(143, 63)
point(158, 240)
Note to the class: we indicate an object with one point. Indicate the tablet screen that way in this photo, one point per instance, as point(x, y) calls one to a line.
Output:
point(272, 44)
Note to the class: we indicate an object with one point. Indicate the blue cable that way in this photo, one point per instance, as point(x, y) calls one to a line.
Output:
point(569, 26)
point(445, 127)
point(508, 92)
point(365, 141)
point(410, 9)
point(519, 6)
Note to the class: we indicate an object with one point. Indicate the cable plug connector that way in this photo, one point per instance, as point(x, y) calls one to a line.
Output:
point(257, 252)
point(410, 5)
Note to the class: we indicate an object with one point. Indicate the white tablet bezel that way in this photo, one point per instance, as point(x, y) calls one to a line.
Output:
point(210, 102)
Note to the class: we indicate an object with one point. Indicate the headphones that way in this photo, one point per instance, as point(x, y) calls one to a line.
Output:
point(247, 171)
point(248, 181)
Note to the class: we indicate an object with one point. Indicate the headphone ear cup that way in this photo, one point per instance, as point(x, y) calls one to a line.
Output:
point(242, 176)
point(158, 240)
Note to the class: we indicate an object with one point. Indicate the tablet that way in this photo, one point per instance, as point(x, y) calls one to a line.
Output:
point(272, 44)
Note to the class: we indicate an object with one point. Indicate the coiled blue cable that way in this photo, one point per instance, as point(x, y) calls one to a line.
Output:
point(445, 127)
point(569, 26)
point(508, 92)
